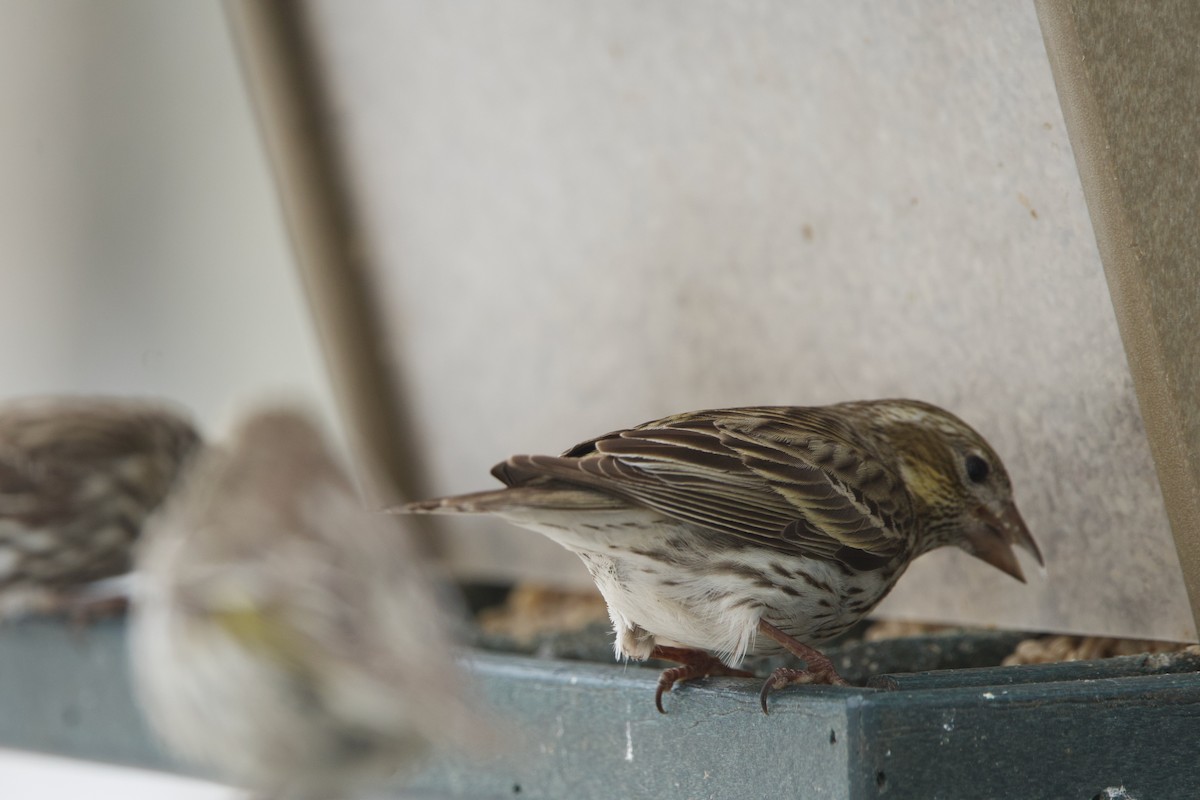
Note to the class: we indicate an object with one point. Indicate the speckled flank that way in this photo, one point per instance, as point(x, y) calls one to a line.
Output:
point(676, 601)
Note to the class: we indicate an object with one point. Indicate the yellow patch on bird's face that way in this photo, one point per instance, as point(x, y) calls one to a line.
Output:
point(926, 465)
point(925, 481)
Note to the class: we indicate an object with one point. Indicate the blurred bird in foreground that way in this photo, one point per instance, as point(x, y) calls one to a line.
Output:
point(78, 476)
point(746, 530)
point(282, 635)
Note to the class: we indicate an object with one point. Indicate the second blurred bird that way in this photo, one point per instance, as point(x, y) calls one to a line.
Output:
point(78, 477)
point(283, 636)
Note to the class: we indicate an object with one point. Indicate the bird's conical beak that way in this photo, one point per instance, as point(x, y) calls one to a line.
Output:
point(993, 540)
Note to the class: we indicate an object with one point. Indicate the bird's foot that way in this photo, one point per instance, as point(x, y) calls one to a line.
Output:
point(84, 606)
point(85, 612)
point(789, 676)
point(695, 664)
point(819, 668)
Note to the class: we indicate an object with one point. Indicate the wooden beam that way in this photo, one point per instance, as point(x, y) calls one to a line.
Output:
point(1128, 78)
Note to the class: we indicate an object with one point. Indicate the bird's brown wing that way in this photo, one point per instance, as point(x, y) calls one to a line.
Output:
point(60, 453)
point(793, 479)
point(843, 484)
point(77, 476)
point(31, 491)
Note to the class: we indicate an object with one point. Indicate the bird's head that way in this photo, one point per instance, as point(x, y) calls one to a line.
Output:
point(962, 491)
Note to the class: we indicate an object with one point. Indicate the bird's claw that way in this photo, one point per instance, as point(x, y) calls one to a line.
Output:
point(665, 681)
point(790, 676)
point(695, 664)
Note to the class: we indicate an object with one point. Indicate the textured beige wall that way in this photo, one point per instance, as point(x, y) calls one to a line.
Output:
point(589, 215)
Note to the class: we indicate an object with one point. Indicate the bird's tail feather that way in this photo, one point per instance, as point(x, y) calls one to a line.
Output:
point(503, 500)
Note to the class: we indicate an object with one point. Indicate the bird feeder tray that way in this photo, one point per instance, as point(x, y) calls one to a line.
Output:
point(1119, 727)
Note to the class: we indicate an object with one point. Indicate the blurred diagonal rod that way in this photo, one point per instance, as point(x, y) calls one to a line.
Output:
point(293, 103)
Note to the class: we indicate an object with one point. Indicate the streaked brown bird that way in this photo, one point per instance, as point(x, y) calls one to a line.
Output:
point(78, 477)
point(284, 636)
point(746, 530)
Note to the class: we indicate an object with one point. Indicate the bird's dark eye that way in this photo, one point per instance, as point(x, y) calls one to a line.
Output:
point(977, 468)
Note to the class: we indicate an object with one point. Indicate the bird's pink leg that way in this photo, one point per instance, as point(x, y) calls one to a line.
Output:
point(818, 668)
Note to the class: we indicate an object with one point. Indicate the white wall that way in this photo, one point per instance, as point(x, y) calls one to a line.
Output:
point(590, 216)
point(141, 250)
